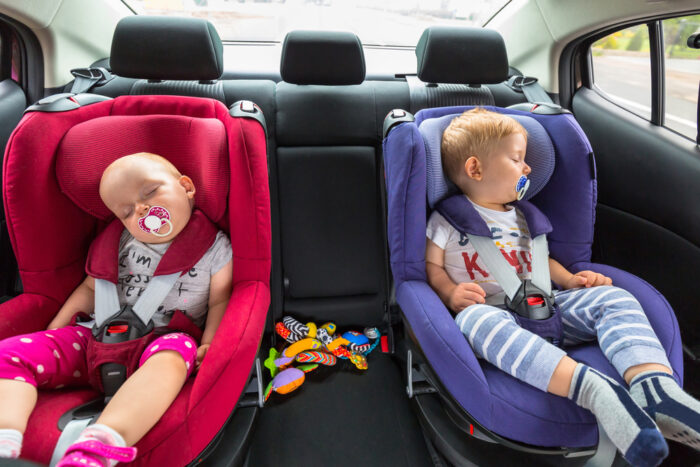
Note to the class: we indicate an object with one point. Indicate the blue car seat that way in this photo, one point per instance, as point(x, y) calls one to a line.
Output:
point(563, 187)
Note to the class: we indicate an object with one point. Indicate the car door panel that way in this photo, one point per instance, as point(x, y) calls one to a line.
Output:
point(648, 219)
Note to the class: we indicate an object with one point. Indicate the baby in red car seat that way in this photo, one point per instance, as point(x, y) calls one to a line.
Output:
point(155, 220)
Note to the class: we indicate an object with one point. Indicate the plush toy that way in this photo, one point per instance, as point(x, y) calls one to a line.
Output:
point(310, 346)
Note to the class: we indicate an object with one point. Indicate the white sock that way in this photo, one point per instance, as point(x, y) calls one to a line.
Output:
point(10, 443)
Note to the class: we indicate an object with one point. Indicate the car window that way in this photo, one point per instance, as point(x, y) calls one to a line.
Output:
point(682, 68)
point(622, 68)
point(388, 23)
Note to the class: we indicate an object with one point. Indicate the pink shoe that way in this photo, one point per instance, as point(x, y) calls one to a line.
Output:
point(91, 454)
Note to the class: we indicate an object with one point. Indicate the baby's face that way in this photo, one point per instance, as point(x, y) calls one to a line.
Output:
point(503, 168)
point(133, 185)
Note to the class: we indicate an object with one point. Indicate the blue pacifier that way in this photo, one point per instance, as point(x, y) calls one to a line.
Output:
point(522, 186)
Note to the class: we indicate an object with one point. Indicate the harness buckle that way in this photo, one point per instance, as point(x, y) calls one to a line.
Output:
point(122, 327)
point(531, 302)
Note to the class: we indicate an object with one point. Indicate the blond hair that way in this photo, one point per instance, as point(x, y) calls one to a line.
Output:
point(474, 133)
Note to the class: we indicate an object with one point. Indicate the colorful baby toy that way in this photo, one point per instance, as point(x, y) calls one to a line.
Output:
point(310, 346)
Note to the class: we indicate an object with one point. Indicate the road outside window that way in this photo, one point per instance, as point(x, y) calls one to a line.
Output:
point(622, 69)
point(682, 75)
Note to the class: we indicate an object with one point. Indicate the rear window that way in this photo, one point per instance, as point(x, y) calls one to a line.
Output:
point(385, 23)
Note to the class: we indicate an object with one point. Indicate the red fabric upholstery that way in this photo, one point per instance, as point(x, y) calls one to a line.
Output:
point(51, 234)
point(196, 146)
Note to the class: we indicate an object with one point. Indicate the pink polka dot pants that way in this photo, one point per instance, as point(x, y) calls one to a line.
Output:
point(57, 358)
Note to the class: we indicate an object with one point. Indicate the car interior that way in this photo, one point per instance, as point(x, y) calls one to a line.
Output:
point(319, 151)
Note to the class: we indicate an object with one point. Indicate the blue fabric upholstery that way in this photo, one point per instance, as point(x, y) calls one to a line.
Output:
point(498, 401)
point(539, 156)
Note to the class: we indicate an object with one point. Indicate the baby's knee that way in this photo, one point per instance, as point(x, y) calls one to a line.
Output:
point(175, 348)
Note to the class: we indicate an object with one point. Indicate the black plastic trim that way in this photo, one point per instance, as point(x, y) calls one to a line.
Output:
point(658, 80)
point(248, 109)
point(394, 118)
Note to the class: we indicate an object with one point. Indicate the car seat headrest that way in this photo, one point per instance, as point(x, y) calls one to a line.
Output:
point(461, 55)
point(196, 146)
point(156, 47)
point(322, 57)
point(539, 155)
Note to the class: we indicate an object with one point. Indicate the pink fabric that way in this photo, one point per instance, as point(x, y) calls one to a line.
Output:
point(90, 454)
point(51, 235)
point(58, 358)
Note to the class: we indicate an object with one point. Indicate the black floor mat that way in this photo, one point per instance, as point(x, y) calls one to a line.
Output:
point(341, 417)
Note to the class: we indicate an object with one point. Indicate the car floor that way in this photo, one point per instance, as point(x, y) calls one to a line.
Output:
point(342, 416)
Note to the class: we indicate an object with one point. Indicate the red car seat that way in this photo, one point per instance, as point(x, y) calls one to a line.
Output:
point(52, 166)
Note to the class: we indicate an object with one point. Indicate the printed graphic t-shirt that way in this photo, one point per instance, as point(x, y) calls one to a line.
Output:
point(462, 262)
point(190, 294)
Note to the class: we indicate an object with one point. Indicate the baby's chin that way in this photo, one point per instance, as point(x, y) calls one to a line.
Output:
point(145, 237)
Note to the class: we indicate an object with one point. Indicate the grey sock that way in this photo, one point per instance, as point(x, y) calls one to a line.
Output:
point(675, 411)
point(628, 426)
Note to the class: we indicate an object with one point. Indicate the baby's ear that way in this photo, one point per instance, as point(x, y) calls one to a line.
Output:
point(187, 183)
point(472, 167)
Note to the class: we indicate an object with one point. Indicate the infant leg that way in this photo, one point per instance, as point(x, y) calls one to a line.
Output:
point(47, 359)
point(494, 335)
point(147, 394)
point(616, 319)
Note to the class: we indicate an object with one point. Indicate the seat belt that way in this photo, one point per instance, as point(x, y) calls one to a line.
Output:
point(87, 78)
point(107, 299)
point(503, 272)
point(531, 88)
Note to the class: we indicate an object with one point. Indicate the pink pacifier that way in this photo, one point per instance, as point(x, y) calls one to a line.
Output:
point(155, 218)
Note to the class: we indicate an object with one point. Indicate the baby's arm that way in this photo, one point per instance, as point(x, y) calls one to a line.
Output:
point(456, 296)
point(219, 294)
point(566, 280)
point(82, 299)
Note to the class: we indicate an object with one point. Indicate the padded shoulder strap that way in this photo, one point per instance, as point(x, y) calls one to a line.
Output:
point(460, 213)
point(187, 248)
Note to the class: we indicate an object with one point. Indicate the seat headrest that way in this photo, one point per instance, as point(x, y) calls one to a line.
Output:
point(322, 57)
point(461, 55)
point(157, 47)
point(539, 155)
point(196, 146)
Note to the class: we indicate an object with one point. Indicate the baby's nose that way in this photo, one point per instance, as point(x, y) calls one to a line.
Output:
point(527, 169)
point(142, 209)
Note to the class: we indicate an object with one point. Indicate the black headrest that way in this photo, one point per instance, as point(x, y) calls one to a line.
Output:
point(158, 47)
point(461, 55)
point(322, 57)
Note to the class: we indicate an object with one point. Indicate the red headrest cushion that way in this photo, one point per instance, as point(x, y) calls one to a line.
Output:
point(196, 146)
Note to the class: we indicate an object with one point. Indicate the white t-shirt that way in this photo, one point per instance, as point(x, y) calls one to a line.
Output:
point(462, 262)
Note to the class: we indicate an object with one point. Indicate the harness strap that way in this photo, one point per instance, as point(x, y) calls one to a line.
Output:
point(504, 273)
point(107, 299)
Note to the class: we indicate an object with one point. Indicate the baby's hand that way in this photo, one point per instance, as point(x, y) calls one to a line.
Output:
point(465, 294)
point(587, 279)
point(201, 352)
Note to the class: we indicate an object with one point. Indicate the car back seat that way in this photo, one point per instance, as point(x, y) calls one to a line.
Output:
point(461, 66)
point(329, 176)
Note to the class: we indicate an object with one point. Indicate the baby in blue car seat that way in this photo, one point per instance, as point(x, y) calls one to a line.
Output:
point(483, 154)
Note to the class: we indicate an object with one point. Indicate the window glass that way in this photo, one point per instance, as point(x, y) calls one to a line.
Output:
point(622, 68)
point(682, 66)
point(386, 22)
point(15, 67)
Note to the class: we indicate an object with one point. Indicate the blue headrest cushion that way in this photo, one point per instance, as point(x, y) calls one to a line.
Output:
point(539, 155)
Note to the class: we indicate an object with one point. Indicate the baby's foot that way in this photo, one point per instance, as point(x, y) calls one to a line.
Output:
point(675, 411)
point(630, 429)
point(95, 454)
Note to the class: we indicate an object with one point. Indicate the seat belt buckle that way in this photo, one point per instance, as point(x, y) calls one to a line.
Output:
point(122, 327)
point(531, 302)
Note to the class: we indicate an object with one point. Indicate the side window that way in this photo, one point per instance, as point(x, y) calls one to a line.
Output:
point(622, 69)
point(10, 55)
point(682, 75)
